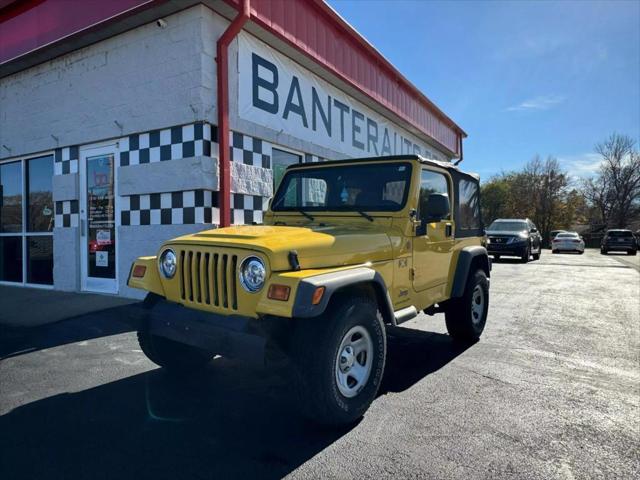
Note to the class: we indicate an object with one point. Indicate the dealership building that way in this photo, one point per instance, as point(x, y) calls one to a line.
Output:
point(124, 123)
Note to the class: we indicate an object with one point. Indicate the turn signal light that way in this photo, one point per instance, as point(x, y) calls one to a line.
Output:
point(279, 292)
point(317, 296)
point(139, 271)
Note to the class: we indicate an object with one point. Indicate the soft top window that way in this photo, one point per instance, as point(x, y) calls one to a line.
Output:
point(469, 199)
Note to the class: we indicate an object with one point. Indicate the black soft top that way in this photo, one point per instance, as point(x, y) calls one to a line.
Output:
point(436, 163)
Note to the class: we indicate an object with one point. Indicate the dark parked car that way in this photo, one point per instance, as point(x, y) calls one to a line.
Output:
point(619, 240)
point(514, 238)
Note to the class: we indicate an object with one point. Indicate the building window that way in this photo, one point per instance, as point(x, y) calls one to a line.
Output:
point(280, 160)
point(26, 221)
point(11, 206)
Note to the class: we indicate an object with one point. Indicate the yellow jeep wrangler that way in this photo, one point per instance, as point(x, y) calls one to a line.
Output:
point(346, 248)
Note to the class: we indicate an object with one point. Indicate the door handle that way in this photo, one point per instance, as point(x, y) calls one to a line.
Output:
point(448, 230)
point(83, 227)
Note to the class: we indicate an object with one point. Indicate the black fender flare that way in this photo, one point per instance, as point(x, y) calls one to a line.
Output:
point(466, 257)
point(335, 281)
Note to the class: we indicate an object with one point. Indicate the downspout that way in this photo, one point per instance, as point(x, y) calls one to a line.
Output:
point(222, 62)
point(461, 151)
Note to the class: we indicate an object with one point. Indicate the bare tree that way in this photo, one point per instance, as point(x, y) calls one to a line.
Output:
point(615, 191)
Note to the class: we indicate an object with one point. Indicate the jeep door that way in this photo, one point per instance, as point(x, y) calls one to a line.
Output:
point(434, 240)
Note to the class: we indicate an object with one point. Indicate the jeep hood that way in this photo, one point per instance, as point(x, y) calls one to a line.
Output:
point(316, 246)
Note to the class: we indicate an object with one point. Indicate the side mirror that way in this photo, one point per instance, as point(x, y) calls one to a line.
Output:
point(437, 207)
point(534, 230)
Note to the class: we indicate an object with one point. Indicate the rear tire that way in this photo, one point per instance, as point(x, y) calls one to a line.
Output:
point(603, 251)
point(536, 256)
point(466, 316)
point(496, 257)
point(338, 361)
point(171, 355)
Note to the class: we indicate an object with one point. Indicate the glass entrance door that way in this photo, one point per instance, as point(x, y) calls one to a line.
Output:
point(98, 220)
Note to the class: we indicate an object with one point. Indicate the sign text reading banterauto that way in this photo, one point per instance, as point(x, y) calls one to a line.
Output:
point(279, 94)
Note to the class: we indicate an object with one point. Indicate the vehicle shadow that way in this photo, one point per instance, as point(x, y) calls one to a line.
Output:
point(414, 354)
point(16, 341)
point(228, 421)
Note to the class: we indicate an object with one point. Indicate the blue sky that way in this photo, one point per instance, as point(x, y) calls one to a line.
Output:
point(546, 77)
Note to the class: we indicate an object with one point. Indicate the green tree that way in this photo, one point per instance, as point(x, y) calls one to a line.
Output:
point(495, 199)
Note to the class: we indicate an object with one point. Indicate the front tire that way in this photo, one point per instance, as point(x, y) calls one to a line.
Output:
point(603, 251)
point(466, 316)
point(173, 356)
point(631, 252)
point(339, 361)
point(525, 255)
point(536, 256)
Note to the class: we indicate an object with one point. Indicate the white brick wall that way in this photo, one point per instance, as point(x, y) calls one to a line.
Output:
point(145, 78)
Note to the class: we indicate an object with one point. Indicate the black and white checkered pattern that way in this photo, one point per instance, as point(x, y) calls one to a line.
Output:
point(171, 208)
point(175, 208)
point(67, 214)
point(248, 209)
point(66, 160)
point(182, 141)
point(249, 150)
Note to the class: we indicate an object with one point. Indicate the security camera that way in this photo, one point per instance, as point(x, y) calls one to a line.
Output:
point(162, 23)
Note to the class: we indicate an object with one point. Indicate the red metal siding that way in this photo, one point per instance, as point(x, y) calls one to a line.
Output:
point(31, 24)
point(313, 28)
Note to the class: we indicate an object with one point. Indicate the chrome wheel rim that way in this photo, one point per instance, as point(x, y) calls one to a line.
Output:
point(477, 304)
point(353, 361)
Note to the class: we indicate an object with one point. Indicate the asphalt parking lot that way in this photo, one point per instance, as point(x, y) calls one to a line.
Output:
point(552, 390)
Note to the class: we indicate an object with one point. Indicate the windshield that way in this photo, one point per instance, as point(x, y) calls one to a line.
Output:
point(367, 187)
point(514, 226)
point(619, 234)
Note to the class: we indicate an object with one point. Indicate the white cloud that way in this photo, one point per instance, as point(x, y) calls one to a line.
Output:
point(582, 166)
point(544, 102)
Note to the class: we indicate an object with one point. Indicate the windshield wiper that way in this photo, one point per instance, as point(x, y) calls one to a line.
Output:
point(306, 214)
point(365, 215)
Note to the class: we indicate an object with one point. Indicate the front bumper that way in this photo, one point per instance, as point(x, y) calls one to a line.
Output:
point(232, 336)
point(620, 247)
point(513, 249)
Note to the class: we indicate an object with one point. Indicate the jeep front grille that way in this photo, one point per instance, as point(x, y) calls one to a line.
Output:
point(208, 278)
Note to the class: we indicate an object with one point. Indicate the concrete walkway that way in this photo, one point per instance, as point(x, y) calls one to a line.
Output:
point(32, 307)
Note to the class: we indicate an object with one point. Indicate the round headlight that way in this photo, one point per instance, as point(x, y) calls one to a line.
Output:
point(252, 274)
point(168, 263)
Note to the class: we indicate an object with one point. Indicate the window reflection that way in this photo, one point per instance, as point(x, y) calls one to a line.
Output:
point(11, 259)
point(40, 259)
point(40, 208)
point(11, 191)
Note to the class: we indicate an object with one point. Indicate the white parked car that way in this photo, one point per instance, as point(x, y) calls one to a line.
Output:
point(567, 242)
